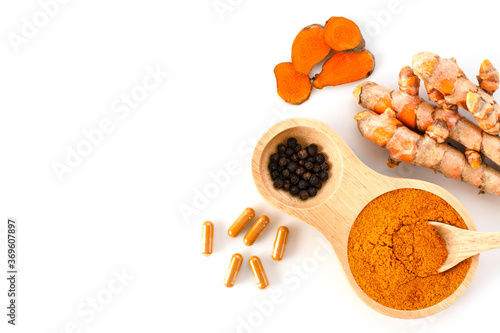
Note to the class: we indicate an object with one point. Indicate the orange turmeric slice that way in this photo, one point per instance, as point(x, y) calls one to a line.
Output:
point(343, 35)
point(309, 48)
point(293, 87)
point(344, 68)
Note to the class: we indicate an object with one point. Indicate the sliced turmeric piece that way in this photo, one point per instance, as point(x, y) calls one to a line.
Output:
point(309, 48)
point(343, 35)
point(293, 87)
point(344, 68)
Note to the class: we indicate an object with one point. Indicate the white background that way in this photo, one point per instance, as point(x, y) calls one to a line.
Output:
point(119, 210)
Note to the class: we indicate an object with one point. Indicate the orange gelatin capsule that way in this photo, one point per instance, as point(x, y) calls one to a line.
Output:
point(241, 222)
point(233, 270)
point(258, 272)
point(207, 238)
point(256, 230)
point(280, 243)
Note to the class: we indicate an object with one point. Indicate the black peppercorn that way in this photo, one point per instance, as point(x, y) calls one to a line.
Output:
point(312, 149)
point(292, 166)
point(300, 171)
point(294, 190)
point(278, 183)
point(314, 180)
point(312, 191)
point(303, 185)
point(320, 158)
point(302, 154)
point(304, 195)
point(291, 143)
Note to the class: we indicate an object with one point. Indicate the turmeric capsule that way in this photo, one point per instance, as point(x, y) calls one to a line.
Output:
point(258, 272)
point(207, 238)
point(233, 270)
point(280, 243)
point(241, 222)
point(256, 230)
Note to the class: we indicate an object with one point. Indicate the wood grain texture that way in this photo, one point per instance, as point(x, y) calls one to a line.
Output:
point(351, 186)
point(462, 244)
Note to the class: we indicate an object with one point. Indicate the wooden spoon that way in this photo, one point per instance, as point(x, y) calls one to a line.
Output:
point(462, 244)
point(351, 186)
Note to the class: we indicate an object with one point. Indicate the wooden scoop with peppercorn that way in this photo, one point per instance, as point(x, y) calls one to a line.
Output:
point(332, 203)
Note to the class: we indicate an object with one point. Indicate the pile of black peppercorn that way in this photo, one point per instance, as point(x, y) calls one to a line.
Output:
point(298, 170)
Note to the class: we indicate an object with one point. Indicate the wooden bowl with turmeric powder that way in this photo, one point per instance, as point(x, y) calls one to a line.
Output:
point(377, 225)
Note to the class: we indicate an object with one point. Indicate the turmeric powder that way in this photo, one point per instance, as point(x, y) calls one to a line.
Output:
point(394, 253)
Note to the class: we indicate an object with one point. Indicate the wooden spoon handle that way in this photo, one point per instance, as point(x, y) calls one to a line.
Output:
point(474, 242)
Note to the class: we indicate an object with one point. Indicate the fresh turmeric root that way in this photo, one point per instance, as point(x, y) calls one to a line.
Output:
point(445, 76)
point(343, 35)
point(309, 48)
point(408, 82)
point(408, 146)
point(417, 114)
point(488, 77)
point(343, 68)
point(293, 87)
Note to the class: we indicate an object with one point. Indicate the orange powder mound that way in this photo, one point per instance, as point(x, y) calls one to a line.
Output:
point(394, 254)
point(293, 87)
